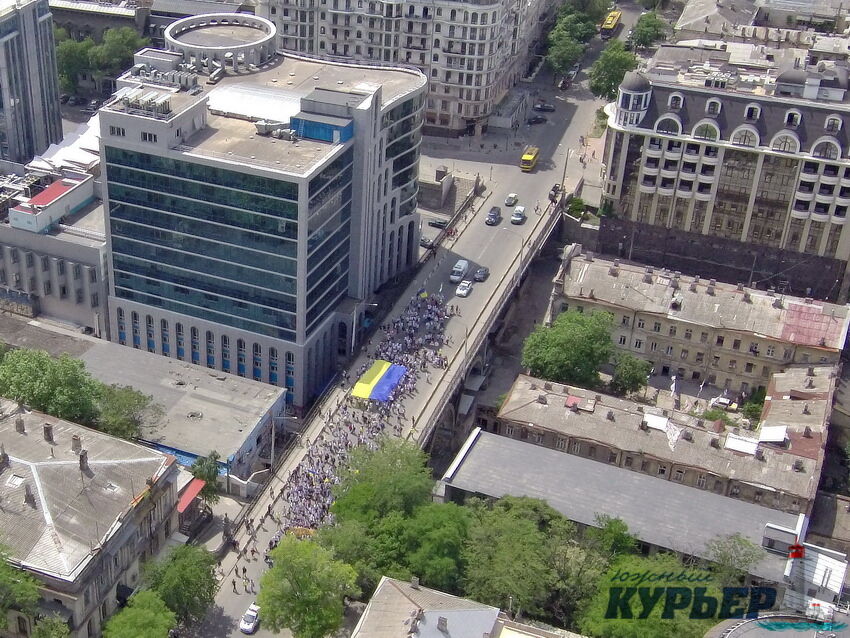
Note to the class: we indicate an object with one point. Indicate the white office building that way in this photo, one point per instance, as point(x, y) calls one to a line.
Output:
point(249, 224)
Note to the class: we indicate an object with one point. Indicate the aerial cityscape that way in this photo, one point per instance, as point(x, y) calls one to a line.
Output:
point(424, 318)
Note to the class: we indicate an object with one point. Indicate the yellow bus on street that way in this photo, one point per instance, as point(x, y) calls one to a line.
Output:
point(529, 158)
point(610, 24)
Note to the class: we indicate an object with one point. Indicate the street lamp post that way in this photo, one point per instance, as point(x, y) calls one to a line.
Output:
point(521, 248)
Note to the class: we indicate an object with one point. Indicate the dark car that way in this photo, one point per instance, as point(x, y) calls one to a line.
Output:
point(564, 84)
point(554, 192)
point(537, 119)
point(494, 216)
point(438, 223)
point(481, 274)
point(544, 108)
point(63, 99)
point(426, 242)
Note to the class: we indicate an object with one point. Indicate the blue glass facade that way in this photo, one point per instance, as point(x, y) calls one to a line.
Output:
point(206, 242)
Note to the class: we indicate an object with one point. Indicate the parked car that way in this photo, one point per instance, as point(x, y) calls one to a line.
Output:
point(63, 99)
point(481, 274)
point(511, 199)
point(572, 74)
point(494, 216)
point(565, 83)
point(250, 619)
point(438, 223)
point(554, 192)
point(518, 216)
point(537, 119)
point(544, 108)
point(426, 242)
point(464, 288)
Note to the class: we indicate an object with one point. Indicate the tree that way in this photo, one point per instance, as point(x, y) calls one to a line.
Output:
point(51, 627)
point(754, 405)
point(123, 410)
point(732, 557)
point(304, 590)
point(596, 621)
point(207, 469)
point(60, 387)
point(392, 478)
point(507, 561)
point(648, 30)
point(575, 26)
point(576, 207)
point(185, 581)
point(576, 574)
point(72, 60)
point(145, 616)
point(610, 537)
point(630, 374)
point(608, 70)
point(563, 54)
point(18, 590)
point(572, 349)
point(434, 541)
point(595, 10)
point(115, 53)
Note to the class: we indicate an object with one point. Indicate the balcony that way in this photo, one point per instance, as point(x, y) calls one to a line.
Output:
point(685, 189)
point(647, 187)
point(653, 150)
point(798, 212)
point(703, 195)
point(837, 219)
point(710, 160)
point(829, 180)
point(650, 170)
point(805, 195)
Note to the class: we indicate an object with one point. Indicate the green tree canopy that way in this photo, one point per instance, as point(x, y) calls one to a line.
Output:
point(576, 571)
point(572, 349)
point(185, 581)
point(594, 622)
point(51, 627)
point(595, 10)
point(145, 616)
point(122, 410)
point(72, 60)
point(507, 561)
point(304, 590)
point(563, 53)
point(630, 373)
point(115, 53)
point(392, 478)
point(732, 557)
point(575, 26)
point(434, 540)
point(648, 30)
point(18, 590)
point(610, 537)
point(207, 469)
point(60, 387)
point(608, 70)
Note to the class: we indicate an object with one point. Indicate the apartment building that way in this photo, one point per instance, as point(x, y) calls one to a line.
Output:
point(81, 511)
point(776, 465)
point(730, 160)
point(472, 52)
point(29, 121)
point(248, 224)
point(53, 249)
point(729, 336)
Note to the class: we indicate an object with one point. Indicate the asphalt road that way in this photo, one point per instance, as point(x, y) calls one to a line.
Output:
point(495, 158)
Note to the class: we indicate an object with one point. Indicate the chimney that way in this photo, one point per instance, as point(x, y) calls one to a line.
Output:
point(610, 415)
point(76, 443)
point(798, 465)
point(414, 582)
point(688, 435)
point(747, 296)
point(715, 442)
point(19, 424)
point(760, 454)
point(777, 303)
point(810, 371)
point(807, 432)
point(547, 386)
point(710, 288)
point(443, 624)
point(29, 498)
point(643, 426)
point(541, 398)
point(4, 458)
point(48, 432)
point(588, 256)
point(740, 287)
point(84, 460)
point(806, 408)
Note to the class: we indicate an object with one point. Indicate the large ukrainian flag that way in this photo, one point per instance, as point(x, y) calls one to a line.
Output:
point(378, 381)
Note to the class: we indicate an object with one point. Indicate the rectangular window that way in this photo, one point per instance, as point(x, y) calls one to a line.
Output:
point(117, 131)
point(622, 340)
point(719, 341)
point(628, 461)
point(672, 331)
point(703, 338)
point(561, 443)
point(770, 351)
point(662, 470)
point(612, 457)
point(684, 354)
point(701, 481)
point(748, 368)
point(700, 357)
point(689, 333)
point(48, 287)
point(656, 327)
point(77, 271)
point(678, 475)
point(149, 137)
point(733, 364)
point(653, 346)
point(669, 351)
point(638, 344)
point(736, 344)
point(30, 260)
point(509, 430)
point(45, 264)
point(575, 447)
point(625, 321)
point(640, 324)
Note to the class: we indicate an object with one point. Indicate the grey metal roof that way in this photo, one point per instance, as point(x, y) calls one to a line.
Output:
point(635, 82)
point(658, 512)
point(71, 512)
point(710, 16)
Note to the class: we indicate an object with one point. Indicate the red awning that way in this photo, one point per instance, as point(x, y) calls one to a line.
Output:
point(192, 490)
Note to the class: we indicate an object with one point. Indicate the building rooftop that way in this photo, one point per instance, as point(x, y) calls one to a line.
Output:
point(113, 9)
point(658, 512)
point(56, 514)
point(203, 409)
point(194, 7)
point(703, 302)
point(712, 16)
point(683, 439)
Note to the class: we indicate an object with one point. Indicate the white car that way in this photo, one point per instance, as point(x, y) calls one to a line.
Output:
point(518, 216)
point(464, 289)
point(511, 199)
point(250, 619)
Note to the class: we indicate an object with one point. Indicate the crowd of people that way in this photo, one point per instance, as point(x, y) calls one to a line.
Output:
point(413, 340)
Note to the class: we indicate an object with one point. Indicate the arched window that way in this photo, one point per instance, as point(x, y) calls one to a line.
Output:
point(744, 137)
point(793, 118)
point(675, 101)
point(120, 313)
point(668, 125)
point(833, 124)
point(785, 144)
point(826, 150)
point(706, 132)
point(163, 324)
point(712, 107)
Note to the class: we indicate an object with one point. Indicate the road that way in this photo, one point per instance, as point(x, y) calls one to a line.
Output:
point(496, 159)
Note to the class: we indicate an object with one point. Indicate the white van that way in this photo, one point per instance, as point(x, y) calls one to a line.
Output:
point(459, 271)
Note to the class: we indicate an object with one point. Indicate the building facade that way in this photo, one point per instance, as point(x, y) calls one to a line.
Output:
point(731, 337)
point(247, 226)
point(84, 545)
point(471, 52)
point(733, 172)
point(29, 84)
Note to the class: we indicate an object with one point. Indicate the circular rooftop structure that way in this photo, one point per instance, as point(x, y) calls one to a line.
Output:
point(634, 82)
point(225, 38)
